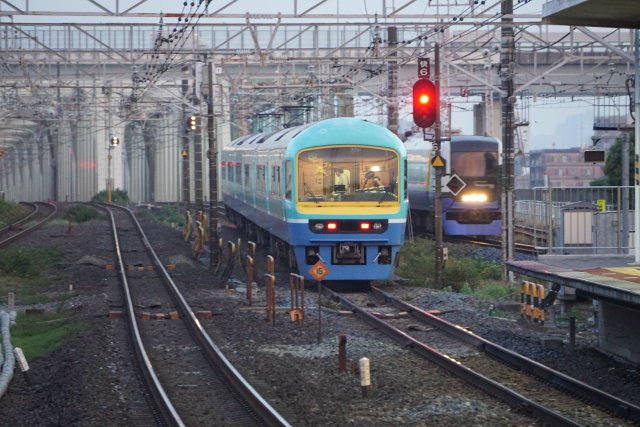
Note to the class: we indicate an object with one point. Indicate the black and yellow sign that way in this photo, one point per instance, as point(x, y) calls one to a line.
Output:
point(184, 153)
point(319, 271)
point(437, 162)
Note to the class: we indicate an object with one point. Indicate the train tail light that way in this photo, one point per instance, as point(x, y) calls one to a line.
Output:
point(365, 226)
point(332, 226)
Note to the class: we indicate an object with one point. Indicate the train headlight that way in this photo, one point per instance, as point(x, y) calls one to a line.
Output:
point(377, 225)
point(318, 226)
point(474, 197)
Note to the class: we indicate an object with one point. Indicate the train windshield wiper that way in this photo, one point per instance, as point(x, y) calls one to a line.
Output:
point(384, 195)
point(307, 190)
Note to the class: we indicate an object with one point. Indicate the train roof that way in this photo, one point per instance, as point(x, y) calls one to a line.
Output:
point(457, 143)
point(343, 130)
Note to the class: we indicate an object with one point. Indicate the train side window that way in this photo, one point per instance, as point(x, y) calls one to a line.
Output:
point(246, 175)
point(287, 179)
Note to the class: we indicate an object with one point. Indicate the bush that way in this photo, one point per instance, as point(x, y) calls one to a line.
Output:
point(83, 213)
point(27, 262)
point(171, 215)
point(418, 266)
point(117, 196)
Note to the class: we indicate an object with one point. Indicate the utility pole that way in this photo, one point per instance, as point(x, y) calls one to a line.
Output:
point(186, 193)
point(507, 71)
point(636, 207)
point(392, 82)
point(197, 136)
point(438, 202)
point(212, 155)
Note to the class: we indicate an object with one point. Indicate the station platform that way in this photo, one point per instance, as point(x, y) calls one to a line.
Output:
point(612, 280)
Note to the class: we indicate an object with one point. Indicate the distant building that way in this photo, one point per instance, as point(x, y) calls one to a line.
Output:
point(561, 167)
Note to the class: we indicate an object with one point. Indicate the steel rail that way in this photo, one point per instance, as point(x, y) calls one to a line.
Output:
point(494, 388)
point(33, 227)
point(615, 405)
point(161, 399)
point(254, 400)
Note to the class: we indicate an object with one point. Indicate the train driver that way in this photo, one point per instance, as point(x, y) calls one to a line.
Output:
point(372, 179)
point(341, 180)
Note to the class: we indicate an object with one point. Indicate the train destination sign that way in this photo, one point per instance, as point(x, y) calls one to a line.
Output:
point(319, 271)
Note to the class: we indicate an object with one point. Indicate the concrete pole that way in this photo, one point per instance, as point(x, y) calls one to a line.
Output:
point(636, 218)
point(439, 258)
point(212, 156)
point(507, 72)
point(392, 83)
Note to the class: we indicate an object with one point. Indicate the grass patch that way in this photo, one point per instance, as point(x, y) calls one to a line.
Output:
point(10, 212)
point(329, 303)
point(28, 261)
point(83, 213)
point(20, 273)
point(170, 215)
point(39, 336)
point(120, 197)
point(461, 273)
point(564, 317)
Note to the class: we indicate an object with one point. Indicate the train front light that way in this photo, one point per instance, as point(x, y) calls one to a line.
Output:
point(474, 197)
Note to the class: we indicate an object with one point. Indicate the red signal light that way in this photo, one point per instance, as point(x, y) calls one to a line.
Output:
point(425, 103)
point(332, 226)
point(365, 226)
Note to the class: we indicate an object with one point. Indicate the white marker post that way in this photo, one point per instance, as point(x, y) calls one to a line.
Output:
point(22, 362)
point(365, 377)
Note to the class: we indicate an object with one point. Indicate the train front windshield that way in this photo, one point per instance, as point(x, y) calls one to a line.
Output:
point(475, 164)
point(347, 174)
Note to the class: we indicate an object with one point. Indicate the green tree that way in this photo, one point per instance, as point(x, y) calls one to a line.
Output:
point(613, 166)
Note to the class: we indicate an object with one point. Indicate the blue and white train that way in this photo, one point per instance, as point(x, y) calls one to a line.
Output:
point(332, 191)
point(475, 161)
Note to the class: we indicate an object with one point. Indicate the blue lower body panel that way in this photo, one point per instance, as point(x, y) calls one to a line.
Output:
point(368, 256)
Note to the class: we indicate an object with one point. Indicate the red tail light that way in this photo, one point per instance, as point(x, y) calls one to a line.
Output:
point(332, 226)
point(365, 226)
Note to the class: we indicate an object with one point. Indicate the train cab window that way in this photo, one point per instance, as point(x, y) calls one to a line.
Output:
point(348, 174)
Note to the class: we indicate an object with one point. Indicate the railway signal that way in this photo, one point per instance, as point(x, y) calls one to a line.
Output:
point(192, 122)
point(425, 103)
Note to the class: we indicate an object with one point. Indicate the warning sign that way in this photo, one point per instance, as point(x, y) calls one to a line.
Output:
point(437, 162)
point(319, 271)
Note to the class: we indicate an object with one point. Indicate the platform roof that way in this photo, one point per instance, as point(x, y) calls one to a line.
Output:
point(592, 13)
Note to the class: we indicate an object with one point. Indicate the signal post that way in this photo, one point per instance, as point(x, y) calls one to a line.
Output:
point(426, 113)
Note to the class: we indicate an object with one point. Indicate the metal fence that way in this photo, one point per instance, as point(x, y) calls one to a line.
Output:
point(577, 220)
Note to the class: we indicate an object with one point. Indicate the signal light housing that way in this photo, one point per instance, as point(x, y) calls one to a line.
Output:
point(425, 103)
point(192, 123)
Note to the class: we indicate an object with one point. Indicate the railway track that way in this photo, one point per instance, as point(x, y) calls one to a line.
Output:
point(191, 381)
point(40, 213)
point(526, 385)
